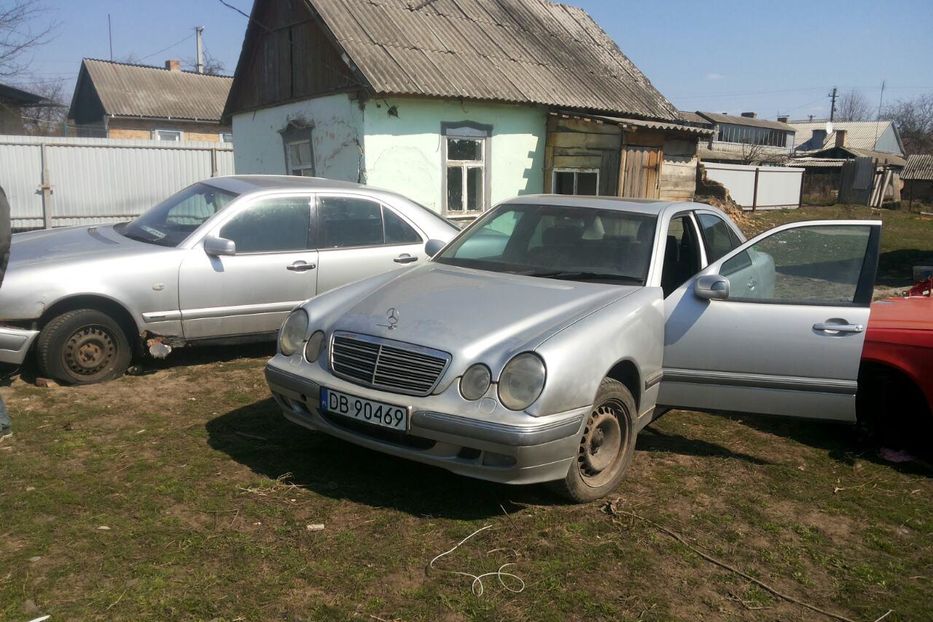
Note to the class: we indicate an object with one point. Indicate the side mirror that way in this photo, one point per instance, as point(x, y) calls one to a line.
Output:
point(711, 287)
point(433, 247)
point(216, 247)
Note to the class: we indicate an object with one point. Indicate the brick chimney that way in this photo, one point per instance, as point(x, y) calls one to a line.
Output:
point(840, 138)
point(749, 115)
point(783, 119)
point(173, 65)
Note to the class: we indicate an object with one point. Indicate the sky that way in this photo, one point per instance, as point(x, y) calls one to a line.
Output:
point(720, 56)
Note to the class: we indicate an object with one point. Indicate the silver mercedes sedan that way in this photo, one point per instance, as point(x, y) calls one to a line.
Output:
point(540, 341)
point(222, 261)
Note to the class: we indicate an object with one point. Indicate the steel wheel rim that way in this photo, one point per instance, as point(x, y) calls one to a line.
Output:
point(603, 444)
point(89, 350)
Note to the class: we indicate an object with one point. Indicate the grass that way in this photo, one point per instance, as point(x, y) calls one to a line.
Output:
point(184, 495)
point(165, 496)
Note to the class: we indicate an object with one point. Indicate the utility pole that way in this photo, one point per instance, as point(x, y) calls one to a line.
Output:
point(110, 36)
point(832, 109)
point(199, 31)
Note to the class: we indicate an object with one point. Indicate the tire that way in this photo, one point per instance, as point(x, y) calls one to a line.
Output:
point(606, 446)
point(83, 346)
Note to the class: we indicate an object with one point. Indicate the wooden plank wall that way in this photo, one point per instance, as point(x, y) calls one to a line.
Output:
point(679, 169)
point(579, 144)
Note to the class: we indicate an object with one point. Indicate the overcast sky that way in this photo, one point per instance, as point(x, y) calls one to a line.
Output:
point(721, 56)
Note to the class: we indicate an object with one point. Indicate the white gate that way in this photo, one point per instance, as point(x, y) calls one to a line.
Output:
point(758, 187)
point(54, 182)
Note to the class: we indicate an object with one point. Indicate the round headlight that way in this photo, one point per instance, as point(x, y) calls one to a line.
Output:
point(314, 346)
point(475, 382)
point(521, 381)
point(293, 332)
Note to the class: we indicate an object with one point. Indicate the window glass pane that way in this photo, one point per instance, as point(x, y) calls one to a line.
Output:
point(273, 225)
point(170, 135)
point(491, 238)
point(455, 188)
point(304, 152)
point(718, 236)
point(586, 184)
point(464, 149)
point(474, 188)
point(563, 182)
point(397, 230)
point(348, 221)
point(173, 220)
point(815, 264)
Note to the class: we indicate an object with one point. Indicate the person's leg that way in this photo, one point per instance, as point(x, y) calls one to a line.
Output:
point(5, 428)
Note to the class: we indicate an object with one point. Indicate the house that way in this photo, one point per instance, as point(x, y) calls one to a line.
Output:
point(122, 100)
point(458, 105)
point(918, 179)
point(880, 136)
point(12, 102)
point(850, 161)
point(743, 139)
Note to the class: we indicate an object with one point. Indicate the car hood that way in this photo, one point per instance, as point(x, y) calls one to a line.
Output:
point(71, 245)
point(914, 314)
point(468, 312)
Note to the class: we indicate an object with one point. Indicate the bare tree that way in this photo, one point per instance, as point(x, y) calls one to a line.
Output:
point(48, 117)
point(213, 66)
point(760, 154)
point(24, 25)
point(853, 106)
point(914, 121)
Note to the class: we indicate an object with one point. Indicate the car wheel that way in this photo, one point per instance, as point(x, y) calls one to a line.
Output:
point(606, 446)
point(83, 347)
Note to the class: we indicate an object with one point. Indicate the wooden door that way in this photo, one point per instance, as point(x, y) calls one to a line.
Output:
point(640, 172)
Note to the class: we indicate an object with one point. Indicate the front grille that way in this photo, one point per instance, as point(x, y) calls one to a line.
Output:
point(385, 364)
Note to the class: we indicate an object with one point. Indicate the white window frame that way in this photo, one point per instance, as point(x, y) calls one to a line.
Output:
point(308, 166)
point(223, 138)
point(576, 172)
point(179, 135)
point(467, 130)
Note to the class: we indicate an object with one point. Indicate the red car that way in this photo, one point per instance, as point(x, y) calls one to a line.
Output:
point(896, 378)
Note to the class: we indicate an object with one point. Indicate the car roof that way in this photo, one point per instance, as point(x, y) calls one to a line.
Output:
point(245, 184)
point(653, 207)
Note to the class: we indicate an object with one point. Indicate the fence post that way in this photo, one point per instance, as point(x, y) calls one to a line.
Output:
point(755, 191)
point(213, 162)
point(46, 187)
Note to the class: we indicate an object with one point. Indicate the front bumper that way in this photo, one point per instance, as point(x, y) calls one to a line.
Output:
point(527, 450)
point(15, 344)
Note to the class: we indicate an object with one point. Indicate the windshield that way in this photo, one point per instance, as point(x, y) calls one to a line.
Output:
point(175, 218)
point(562, 242)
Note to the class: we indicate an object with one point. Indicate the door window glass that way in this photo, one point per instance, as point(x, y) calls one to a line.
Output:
point(719, 237)
point(681, 254)
point(349, 221)
point(397, 230)
point(809, 265)
point(271, 226)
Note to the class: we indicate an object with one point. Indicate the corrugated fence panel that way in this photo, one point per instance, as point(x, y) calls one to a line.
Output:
point(776, 187)
point(100, 180)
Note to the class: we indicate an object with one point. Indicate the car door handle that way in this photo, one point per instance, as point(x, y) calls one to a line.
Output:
point(301, 266)
point(405, 258)
point(829, 327)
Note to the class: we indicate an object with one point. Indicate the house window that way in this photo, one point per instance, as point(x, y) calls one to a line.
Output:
point(575, 181)
point(466, 167)
point(299, 150)
point(226, 137)
point(169, 135)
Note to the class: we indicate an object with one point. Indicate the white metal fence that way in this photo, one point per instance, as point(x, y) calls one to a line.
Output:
point(758, 187)
point(54, 182)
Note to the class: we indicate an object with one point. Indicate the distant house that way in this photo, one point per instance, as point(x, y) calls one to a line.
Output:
point(918, 179)
point(121, 100)
point(458, 105)
point(743, 139)
point(881, 136)
point(12, 102)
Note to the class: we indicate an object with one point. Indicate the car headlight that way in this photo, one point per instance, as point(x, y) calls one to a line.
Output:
point(522, 381)
point(314, 346)
point(475, 382)
point(293, 332)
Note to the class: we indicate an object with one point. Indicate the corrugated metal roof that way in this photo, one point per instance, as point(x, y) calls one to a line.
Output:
point(919, 167)
point(716, 117)
point(859, 134)
point(127, 90)
point(521, 51)
point(653, 125)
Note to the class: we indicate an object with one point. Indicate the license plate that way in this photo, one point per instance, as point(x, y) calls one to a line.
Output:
point(367, 411)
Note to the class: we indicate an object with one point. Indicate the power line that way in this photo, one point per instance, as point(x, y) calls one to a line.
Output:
point(167, 48)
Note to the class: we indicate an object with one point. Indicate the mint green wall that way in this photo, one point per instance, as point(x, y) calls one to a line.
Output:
point(337, 119)
point(404, 153)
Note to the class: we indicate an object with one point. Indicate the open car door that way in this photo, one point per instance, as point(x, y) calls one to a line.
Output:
point(776, 326)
